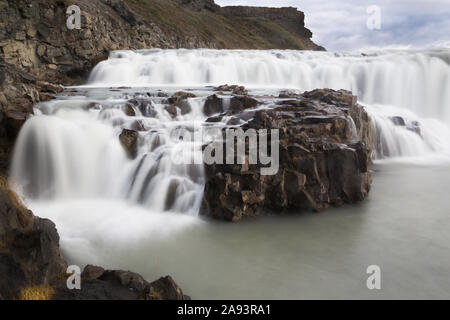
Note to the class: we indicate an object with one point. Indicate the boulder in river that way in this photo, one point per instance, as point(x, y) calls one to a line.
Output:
point(129, 140)
point(325, 144)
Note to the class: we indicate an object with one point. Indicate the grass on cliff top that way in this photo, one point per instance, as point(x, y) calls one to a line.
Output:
point(16, 201)
point(239, 33)
point(37, 293)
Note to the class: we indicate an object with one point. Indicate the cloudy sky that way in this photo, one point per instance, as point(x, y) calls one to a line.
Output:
point(342, 24)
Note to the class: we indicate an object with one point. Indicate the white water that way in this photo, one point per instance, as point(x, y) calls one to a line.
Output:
point(415, 80)
point(412, 84)
point(68, 152)
point(73, 169)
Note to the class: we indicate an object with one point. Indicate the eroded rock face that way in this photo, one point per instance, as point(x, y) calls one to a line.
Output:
point(100, 284)
point(29, 247)
point(30, 258)
point(129, 141)
point(325, 140)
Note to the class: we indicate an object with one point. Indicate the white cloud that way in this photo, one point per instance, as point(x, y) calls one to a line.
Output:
point(341, 24)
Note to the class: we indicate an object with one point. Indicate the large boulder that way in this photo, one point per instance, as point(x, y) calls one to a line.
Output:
point(129, 141)
point(325, 144)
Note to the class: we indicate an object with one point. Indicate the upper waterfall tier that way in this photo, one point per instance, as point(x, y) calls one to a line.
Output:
point(415, 80)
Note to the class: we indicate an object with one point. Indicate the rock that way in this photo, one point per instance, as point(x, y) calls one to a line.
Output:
point(240, 103)
point(164, 289)
point(147, 109)
point(172, 110)
point(320, 162)
point(129, 110)
point(177, 97)
point(286, 94)
point(128, 279)
point(213, 105)
point(129, 141)
point(239, 90)
point(91, 272)
point(94, 106)
point(398, 121)
point(234, 89)
point(50, 87)
point(184, 107)
point(13, 122)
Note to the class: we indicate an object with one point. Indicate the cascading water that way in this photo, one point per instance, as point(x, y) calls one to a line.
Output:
point(71, 148)
point(414, 85)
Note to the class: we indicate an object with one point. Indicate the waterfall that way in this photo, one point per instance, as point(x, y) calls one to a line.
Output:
point(71, 150)
point(415, 80)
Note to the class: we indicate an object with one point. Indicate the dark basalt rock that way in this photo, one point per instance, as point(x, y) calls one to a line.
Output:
point(171, 110)
point(322, 162)
point(100, 284)
point(213, 105)
point(180, 96)
point(164, 289)
point(236, 104)
point(129, 140)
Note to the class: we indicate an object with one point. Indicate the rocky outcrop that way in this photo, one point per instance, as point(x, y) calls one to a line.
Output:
point(32, 267)
point(325, 144)
point(129, 141)
point(101, 284)
point(29, 247)
point(200, 5)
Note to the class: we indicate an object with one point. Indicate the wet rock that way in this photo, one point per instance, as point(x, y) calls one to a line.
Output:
point(129, 141)
point(398, 121)
point(164, 289)
point(320, 163)
point(50, 87)
point(286, 94)
point(129, 110)
point(234, 89)
point(162, 94)
point(117, 285)
point(172, 110)
point(184, 107)
point(94, 106)
point(91, 272)
point(213, 105)
point(147, 109)
point(179, 96)
point(240, 103)
point(414, 126)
